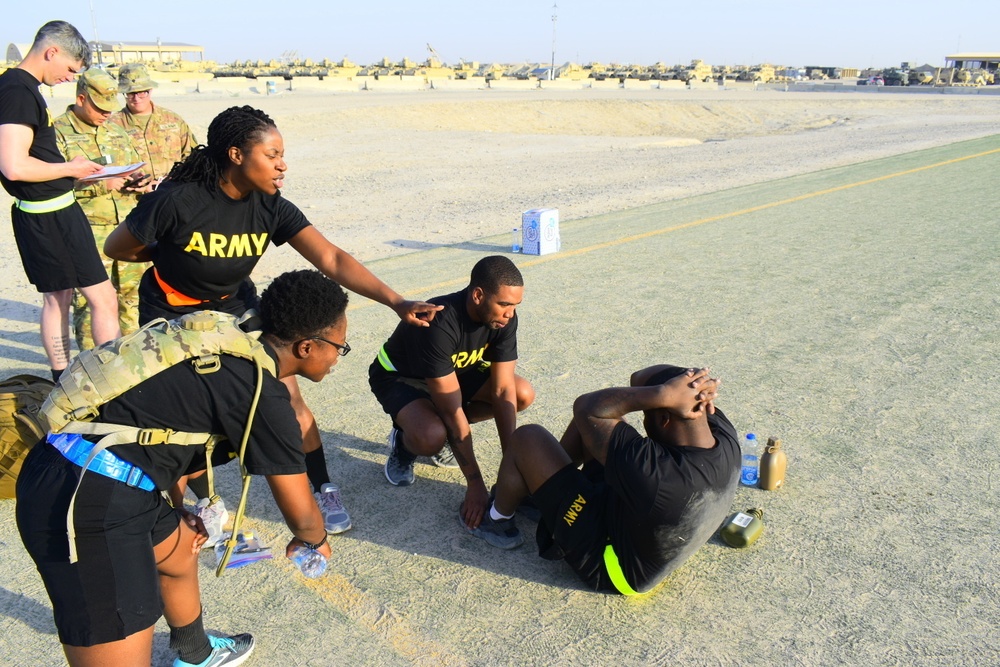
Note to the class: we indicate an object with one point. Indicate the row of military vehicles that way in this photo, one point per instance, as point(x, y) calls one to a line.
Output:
point(696, 71)
point(434, 68)
point(937, 76)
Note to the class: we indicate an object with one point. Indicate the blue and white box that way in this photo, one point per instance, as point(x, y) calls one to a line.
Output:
point(540, 231)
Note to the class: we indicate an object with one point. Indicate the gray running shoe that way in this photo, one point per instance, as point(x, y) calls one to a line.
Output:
point(335, 517)
point(528, 508)
point(399, 465)
point(231, 651)
point(502, 534)
point(445, 458)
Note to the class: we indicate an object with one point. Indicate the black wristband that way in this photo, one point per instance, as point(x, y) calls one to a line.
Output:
point(310, 545)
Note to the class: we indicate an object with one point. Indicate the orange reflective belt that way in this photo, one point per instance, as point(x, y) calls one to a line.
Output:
point(175, 298)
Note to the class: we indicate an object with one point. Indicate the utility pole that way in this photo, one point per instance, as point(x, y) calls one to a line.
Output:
point(552, 69)
point(97, 40)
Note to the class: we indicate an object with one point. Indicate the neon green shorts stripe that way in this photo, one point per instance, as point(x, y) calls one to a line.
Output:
point(615, 572)
point(383, 359)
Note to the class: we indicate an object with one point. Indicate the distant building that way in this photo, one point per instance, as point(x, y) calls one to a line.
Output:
point(985, 61)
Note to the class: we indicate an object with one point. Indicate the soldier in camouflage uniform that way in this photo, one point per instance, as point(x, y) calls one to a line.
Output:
point(83, 130)
point(160, 135)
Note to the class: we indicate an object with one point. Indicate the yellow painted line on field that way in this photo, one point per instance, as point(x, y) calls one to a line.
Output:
point(752, 209)
point(366, 611)
point(429, 289)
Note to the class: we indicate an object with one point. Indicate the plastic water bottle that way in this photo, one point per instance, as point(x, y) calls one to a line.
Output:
point(311, 563)
point(515, 244)
point(751, 469)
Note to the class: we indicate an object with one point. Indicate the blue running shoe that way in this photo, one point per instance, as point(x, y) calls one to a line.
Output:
point(229, 651)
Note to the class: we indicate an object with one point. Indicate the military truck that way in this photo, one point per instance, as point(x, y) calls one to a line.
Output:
point(697, 71)
point(894, 76)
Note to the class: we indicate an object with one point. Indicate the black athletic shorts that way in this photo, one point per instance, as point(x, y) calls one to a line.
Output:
point(113, 590)
point(394, 392)
point(573, 525)
point(58, 250)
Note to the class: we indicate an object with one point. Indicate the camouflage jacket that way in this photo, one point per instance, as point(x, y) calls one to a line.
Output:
point(162, 141)
point(74, 137)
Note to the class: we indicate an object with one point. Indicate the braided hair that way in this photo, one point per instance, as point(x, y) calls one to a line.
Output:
point(242, 127)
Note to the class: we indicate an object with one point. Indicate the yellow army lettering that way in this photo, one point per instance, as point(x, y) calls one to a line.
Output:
point(463, 359)
point(574, 510)
point(219, 245)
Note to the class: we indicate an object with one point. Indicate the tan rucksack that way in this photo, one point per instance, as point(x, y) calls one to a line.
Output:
point(21, 396)
point(106, 372)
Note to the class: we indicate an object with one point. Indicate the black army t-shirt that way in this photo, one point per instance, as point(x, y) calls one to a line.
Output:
point(183, 400)
point(206, 243)
point(22, 104)
point(667, 501)
point(452, 343)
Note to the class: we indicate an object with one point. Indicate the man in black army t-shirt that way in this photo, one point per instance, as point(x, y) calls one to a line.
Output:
point(641, 505)
point(53, 235)
point(435, 381)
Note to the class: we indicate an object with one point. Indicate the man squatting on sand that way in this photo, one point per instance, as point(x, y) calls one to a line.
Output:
point(137, 557)
point(435, 381)
point(53, 236)
point(640, 506)
point(206, 227)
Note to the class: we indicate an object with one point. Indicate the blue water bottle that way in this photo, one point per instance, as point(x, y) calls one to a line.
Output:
point(750, 471)
point(311, 563)
point(515, 244)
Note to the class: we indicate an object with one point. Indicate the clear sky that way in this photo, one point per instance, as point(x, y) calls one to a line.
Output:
point(843, 33)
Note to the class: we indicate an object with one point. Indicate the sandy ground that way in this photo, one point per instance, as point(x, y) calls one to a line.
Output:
point(848, 302)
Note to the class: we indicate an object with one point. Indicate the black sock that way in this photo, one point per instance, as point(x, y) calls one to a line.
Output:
point(199, 486)
point(191, 642)
point(56, 374)
point(404, 453)
point(316, 469)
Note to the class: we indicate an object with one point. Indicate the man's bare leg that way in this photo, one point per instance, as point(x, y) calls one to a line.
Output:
point(572, 443)
point(480, 408)
point(423, 431)
point(103, 300)
point(55, 327)
point(533, 457)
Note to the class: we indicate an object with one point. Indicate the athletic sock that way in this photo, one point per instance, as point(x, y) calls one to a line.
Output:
point(56, 373)
point(191, 642)
point(404, 453)
point(316, 469)
point(199, 486)
point(495, 514)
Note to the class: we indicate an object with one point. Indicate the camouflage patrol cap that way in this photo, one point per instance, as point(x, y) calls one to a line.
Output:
point(100, 87)
point(134, 78)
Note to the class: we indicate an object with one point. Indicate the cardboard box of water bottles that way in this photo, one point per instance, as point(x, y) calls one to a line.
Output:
point(540, 231)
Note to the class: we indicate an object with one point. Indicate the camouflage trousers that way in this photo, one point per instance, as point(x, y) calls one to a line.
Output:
point(125, 276)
